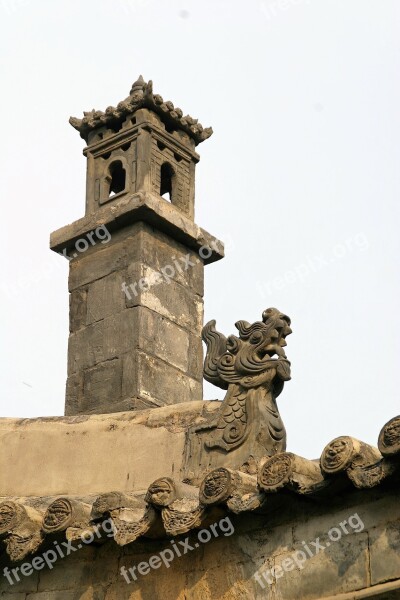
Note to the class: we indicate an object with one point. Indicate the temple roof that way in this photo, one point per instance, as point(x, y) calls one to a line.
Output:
point(171, 507)
point(141, 96)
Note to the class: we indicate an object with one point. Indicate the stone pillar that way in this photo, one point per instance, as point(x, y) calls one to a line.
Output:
point(136, 261)
point(136, 310)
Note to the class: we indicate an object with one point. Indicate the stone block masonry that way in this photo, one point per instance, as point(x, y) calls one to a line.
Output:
point(134, 350)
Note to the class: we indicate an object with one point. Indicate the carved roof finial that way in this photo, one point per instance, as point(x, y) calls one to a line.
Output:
point(141, 96)
point(138, 86)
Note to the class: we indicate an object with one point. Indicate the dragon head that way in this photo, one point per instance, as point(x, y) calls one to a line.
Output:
point(254, 358)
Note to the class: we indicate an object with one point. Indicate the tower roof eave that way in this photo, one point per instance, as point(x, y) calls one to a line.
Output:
point(141, 96)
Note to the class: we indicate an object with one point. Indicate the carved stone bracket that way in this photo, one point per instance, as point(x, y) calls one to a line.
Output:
point(291, 471)
point(91, 532)
point(182, 516)
point(106, 503)
point(165, 491)
point(21, 525)
point(64, 513)
point(11, 515)
point(345, 454)
point(131, 523)
point(389, 438)
point(179, 504)
point(235, 489)
point(130, 516)
point(370, 476)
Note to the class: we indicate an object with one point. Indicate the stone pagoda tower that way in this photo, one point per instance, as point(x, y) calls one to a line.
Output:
point(136, 296)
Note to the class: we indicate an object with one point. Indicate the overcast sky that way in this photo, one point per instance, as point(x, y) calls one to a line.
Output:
point(301, 179)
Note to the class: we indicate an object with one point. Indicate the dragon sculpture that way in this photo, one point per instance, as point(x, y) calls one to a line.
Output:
point(252, 368)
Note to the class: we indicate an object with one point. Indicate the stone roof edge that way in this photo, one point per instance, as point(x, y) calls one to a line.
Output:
point(170, 507)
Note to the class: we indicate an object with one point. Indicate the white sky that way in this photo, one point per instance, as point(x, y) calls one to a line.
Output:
point(301, 178)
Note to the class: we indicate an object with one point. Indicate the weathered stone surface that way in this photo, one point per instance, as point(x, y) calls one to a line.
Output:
point(104, 259)
point(373, 507)
point(102, 341)
point(24, 586)
point(163, 339)
point(279, 537)
point(384, 544)
point(234, 583)
point(137, 336)
point(140, 242)
point(187, 269)
point(105, 298)
point(68, 577)
point(195, 356)
point(137, 328)
point(77, 309)
point(150, 586)
point(74, 393)
point(155, 382)
point(85, 348)
point(168, 298)
point(77, 594)
point(342, 567)
point(102, 387)
point(61, 456)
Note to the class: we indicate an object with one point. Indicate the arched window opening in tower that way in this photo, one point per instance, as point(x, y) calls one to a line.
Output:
point(117, 178)
point(167, 182)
